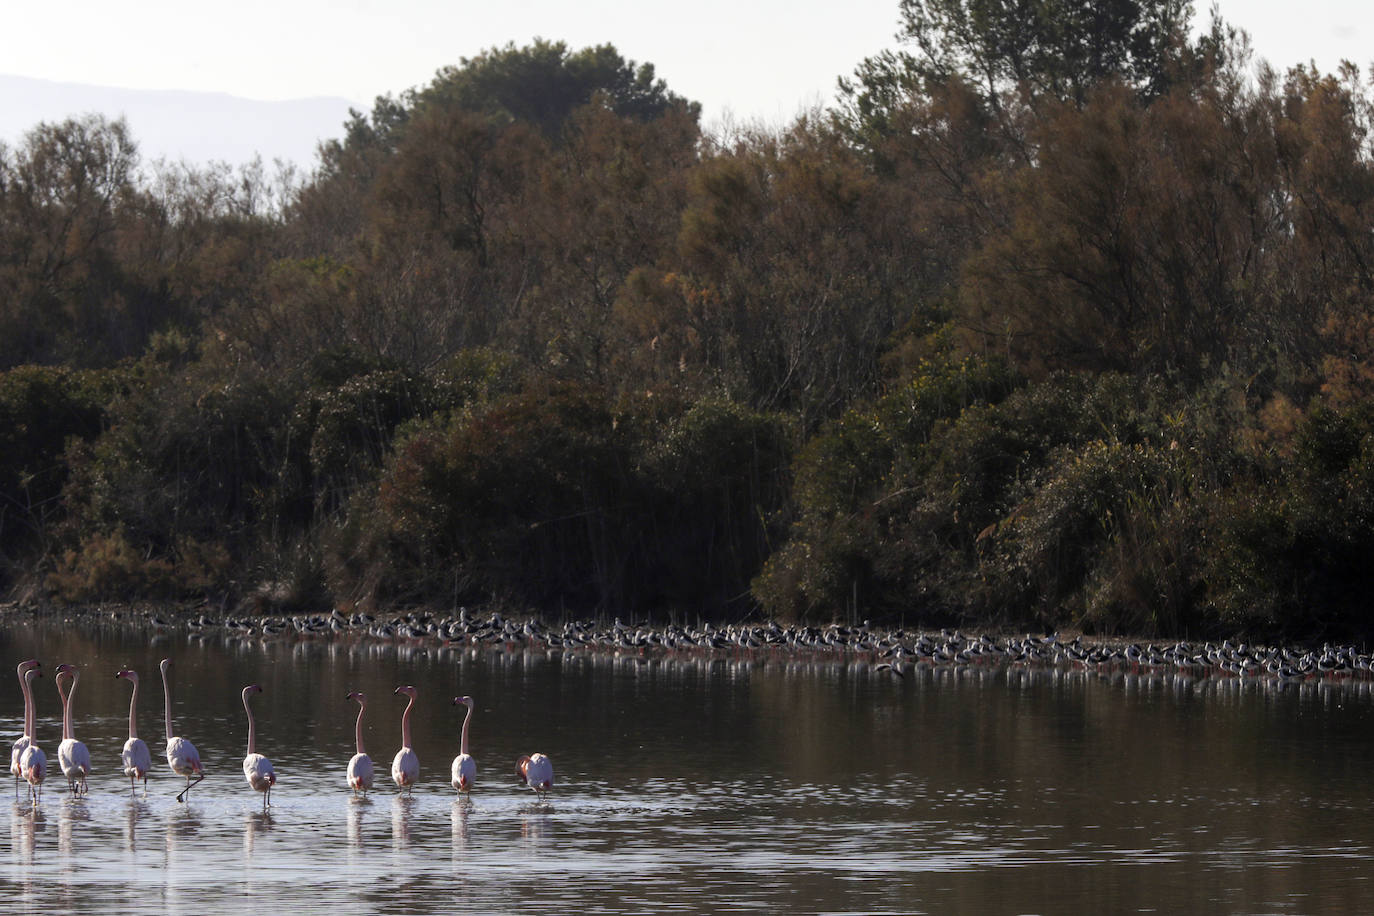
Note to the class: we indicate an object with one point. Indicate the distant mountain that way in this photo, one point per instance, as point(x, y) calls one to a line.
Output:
point(196, 126)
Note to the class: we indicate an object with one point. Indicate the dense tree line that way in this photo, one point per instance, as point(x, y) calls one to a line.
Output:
point(1061, 317)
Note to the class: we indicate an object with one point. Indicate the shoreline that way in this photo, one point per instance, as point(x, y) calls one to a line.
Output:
point(895, 650)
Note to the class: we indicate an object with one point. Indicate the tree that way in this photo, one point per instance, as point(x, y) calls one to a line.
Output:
point(1054, 48)
point(61, 194)
point(1018, 55)
point(543, 83)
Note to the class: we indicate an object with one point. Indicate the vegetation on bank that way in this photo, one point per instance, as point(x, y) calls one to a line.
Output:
point(1039, 327)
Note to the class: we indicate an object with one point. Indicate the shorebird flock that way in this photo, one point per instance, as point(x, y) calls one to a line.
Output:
point(897, 649)
point(29, 762)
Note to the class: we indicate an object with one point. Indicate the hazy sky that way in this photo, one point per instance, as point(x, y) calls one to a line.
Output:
point(754, 58)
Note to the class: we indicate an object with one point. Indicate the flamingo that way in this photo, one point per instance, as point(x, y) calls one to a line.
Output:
point(72, 755)
point(257, 769)
point(33, 763)
point(182, 755)
point(137, 760)
point(536, 771)
point(464, 767)
point(359, 765)
point(24, 740)
point(405, 766)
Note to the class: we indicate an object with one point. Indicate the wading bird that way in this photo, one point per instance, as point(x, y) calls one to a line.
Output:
point(182, 755)
point(136, 758)
point(536, 771)
point(72, 755)
point(464, 767)
point(257, 769)
point(405, 766)
point(33, 763)
point(24, 740)
point(359, 765)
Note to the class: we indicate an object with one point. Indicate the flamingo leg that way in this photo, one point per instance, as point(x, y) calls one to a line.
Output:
point(181, 796)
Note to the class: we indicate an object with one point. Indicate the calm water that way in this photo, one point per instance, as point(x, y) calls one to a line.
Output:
point(694, 785)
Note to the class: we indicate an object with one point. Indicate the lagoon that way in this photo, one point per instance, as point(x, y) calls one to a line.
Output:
point(725, 782)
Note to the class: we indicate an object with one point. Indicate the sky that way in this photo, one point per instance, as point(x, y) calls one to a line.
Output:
point(744, 60)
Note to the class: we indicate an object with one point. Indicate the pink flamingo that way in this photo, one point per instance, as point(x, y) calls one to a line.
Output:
point(33, 763)
point(257, 769)
point(72, 755)
point(464, 767)
point(135, 755)
point(24, 740)
point(536, 771)
point(405, 766)
point(182, 755)
point(359, 765)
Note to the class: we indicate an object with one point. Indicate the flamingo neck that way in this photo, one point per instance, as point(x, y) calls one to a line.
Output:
point(27, 682)
point(463, 744)
point(358, 728)
point(67, 730)
point(62, 695)
point(405, 724)
point(167, 698)
point(133, 709)
point(252, 728)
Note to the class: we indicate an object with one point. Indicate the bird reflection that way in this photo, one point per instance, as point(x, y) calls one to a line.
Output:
point(401, 807)
point(259, 822)
point(138, 808)
point(24, 831)
point(71, 816)
point(183, 830)
point(356, 805)
point(24, 827)
point(459, 816)
point(536, 828)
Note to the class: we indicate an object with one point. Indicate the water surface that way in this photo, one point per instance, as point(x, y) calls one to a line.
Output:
point(725, 784)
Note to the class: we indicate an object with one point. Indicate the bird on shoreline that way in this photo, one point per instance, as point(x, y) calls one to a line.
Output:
point(182, 755)
point(359, 765)
point(464, 770)
point(405, 766)
point(135, 756)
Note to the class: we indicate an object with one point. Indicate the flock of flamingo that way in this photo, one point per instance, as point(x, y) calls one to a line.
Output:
point(30, 763)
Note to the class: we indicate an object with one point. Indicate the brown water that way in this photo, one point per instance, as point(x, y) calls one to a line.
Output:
point(694, 785)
